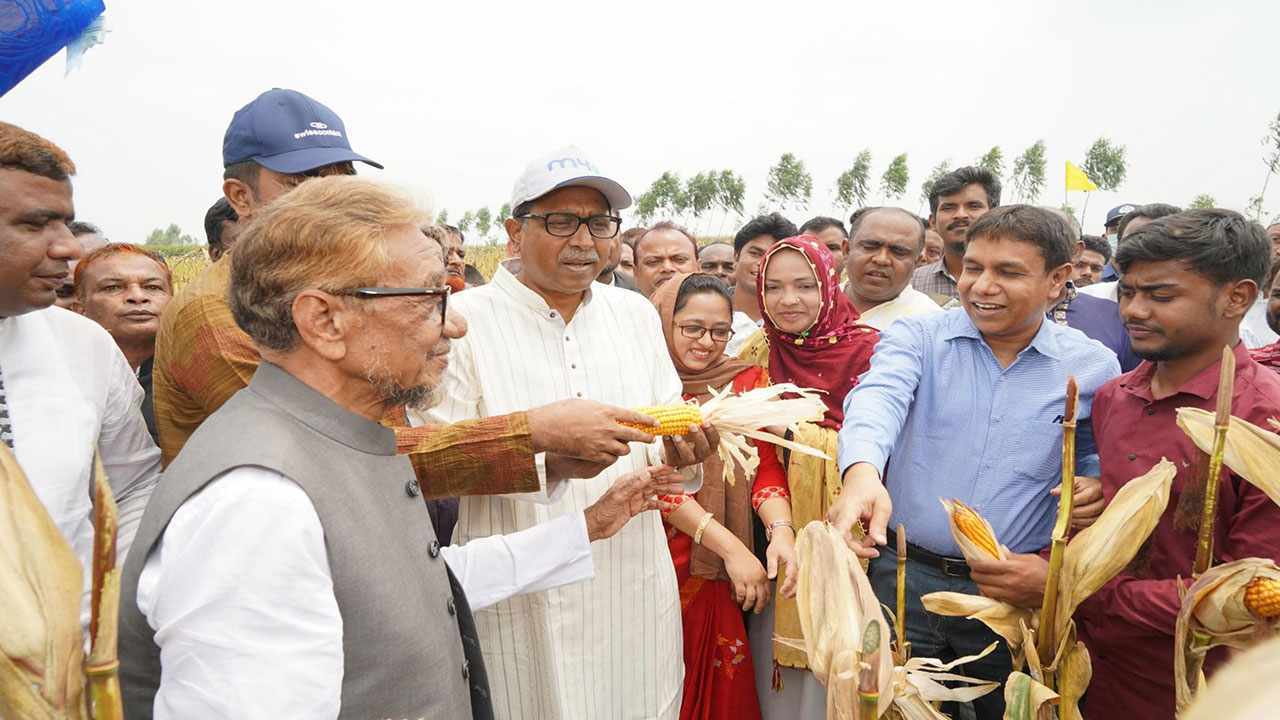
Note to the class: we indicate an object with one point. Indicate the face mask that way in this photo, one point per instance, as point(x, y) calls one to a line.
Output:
point(1114, 241)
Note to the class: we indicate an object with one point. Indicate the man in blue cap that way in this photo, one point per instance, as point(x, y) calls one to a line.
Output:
point(1111, 231)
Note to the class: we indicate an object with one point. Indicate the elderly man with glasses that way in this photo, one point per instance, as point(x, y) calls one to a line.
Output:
point(542, 331)
point(287, 567)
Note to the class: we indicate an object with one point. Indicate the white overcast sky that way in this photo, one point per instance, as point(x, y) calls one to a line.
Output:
point(455, 97)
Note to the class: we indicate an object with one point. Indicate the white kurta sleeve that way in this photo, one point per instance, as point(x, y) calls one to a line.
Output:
point(492, 569)
point(130, 457)
point(239, 593)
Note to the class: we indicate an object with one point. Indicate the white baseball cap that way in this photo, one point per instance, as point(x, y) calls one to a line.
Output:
point(566, 167)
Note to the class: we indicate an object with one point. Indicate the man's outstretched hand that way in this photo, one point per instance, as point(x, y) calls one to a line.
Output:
point(629, 496)
point(586, 430)
point(862, 499)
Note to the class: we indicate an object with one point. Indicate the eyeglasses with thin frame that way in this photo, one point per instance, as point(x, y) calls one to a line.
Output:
point(372, 293)
point(695, 332)
point(562, 224)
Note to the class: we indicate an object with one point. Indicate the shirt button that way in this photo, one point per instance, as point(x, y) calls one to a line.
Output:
point(566, 338)
point(1151, 411)
point(453, 609)
point(466, 669)
point(553, 314)
point(579, 394)
point(411, 488)
point(573, 367)
point(1133, 456)
point(434, 550)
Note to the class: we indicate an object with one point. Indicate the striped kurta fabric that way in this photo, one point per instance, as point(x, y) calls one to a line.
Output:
point(610, 647)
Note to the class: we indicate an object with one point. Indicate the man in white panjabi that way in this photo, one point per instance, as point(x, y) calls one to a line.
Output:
point(885, 246)
point(541, 331)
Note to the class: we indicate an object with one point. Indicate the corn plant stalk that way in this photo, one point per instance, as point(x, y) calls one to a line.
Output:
point(1046, 643)
point(101, 667)
point(1221, 421)
point(900, 619)
point(868, 672)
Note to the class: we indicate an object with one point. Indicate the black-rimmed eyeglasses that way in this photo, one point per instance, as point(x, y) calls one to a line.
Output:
point(370, 293)
point(563, 224)
point(695, 332)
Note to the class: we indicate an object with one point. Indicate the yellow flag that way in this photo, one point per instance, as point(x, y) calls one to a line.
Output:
point(1077, 180)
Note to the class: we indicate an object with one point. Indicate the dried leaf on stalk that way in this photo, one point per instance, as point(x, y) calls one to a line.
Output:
point(1099, 552)
point(835, 602)
point(1023, 697)
point(1004, 619)
point(40, 588)
point(1250, 451)
point(1214, 607)
point(1075, 670)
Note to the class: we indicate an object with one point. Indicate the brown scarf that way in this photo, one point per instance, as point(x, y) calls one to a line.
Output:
point(730, 505)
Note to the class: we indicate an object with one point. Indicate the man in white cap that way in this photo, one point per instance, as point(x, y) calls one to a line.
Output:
point(542, 331)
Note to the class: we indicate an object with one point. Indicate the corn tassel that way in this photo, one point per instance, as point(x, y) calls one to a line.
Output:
point(672, 419)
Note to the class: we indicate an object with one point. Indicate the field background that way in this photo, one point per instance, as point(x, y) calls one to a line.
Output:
point(188, 261)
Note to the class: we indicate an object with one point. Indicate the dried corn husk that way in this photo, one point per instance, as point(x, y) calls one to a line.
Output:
point(41, 645)
point(1023, 697)
point(835, 602)
point(746, 415)
point(105, 701)
point(973, 534)
point(1099, 552)
point(1236, 693)
point(1214, 611)
point(918, 684)
point(1004, 619)
point(1250, 451)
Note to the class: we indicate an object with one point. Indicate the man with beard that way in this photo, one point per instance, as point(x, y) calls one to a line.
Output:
point(277, 142)
point(1187, 281)
point(287, 566)
point(750, 244)
point(540, 331)
point(662, 252)
point(991, 379)
point(956, 201)
point(886, 245)
point(124, 288)
point(717, 259)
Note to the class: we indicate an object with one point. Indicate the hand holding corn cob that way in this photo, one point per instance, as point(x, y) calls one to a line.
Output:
point(724, 423)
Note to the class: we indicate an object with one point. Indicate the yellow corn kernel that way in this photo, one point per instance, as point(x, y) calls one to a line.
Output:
point(673, 419)
point(1262, 597)
point(972, 527)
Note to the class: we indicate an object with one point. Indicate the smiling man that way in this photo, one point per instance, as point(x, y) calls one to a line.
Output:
point(977, 391)
point(66, 391)
point(124, 288)
point(956, 201)
point(886, 246)
point(750, 244)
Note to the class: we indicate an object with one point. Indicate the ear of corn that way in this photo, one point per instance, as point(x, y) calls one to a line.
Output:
point(1262, 597)
point(672, 419)
point(972, 532)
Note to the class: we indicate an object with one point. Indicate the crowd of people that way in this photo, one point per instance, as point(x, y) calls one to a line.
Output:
point(358, 479)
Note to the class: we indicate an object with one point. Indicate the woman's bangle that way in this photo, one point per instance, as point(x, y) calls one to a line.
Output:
point(702, 527)
point(777, 524)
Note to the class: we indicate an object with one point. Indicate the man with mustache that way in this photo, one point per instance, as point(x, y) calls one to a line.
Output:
point(956, 201)
point(662, 252)
point(1186, 282)
point(274, 144)
point(453, 242)
point(962, 404)
point(540, 331)
point(287, 567)
point(886, 245)
point(66, 391)
point(717, 259)
point(124, 288)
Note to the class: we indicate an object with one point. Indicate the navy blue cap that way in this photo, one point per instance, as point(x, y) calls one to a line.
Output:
point(1117, 212)
point(288, 132)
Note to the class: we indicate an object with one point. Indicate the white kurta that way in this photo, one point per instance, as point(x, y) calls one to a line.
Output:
point(263, 639)
point(70, 392)
point(611, 647)
point(909, 302)
point(744, 328)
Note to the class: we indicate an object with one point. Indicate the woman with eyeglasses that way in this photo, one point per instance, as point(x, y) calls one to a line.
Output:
point(710, 533)
point(815, 341)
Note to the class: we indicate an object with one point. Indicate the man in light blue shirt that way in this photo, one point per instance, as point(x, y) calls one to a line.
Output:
point(968, 404)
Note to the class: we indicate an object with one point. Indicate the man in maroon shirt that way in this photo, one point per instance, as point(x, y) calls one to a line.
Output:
point(1188, 280)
